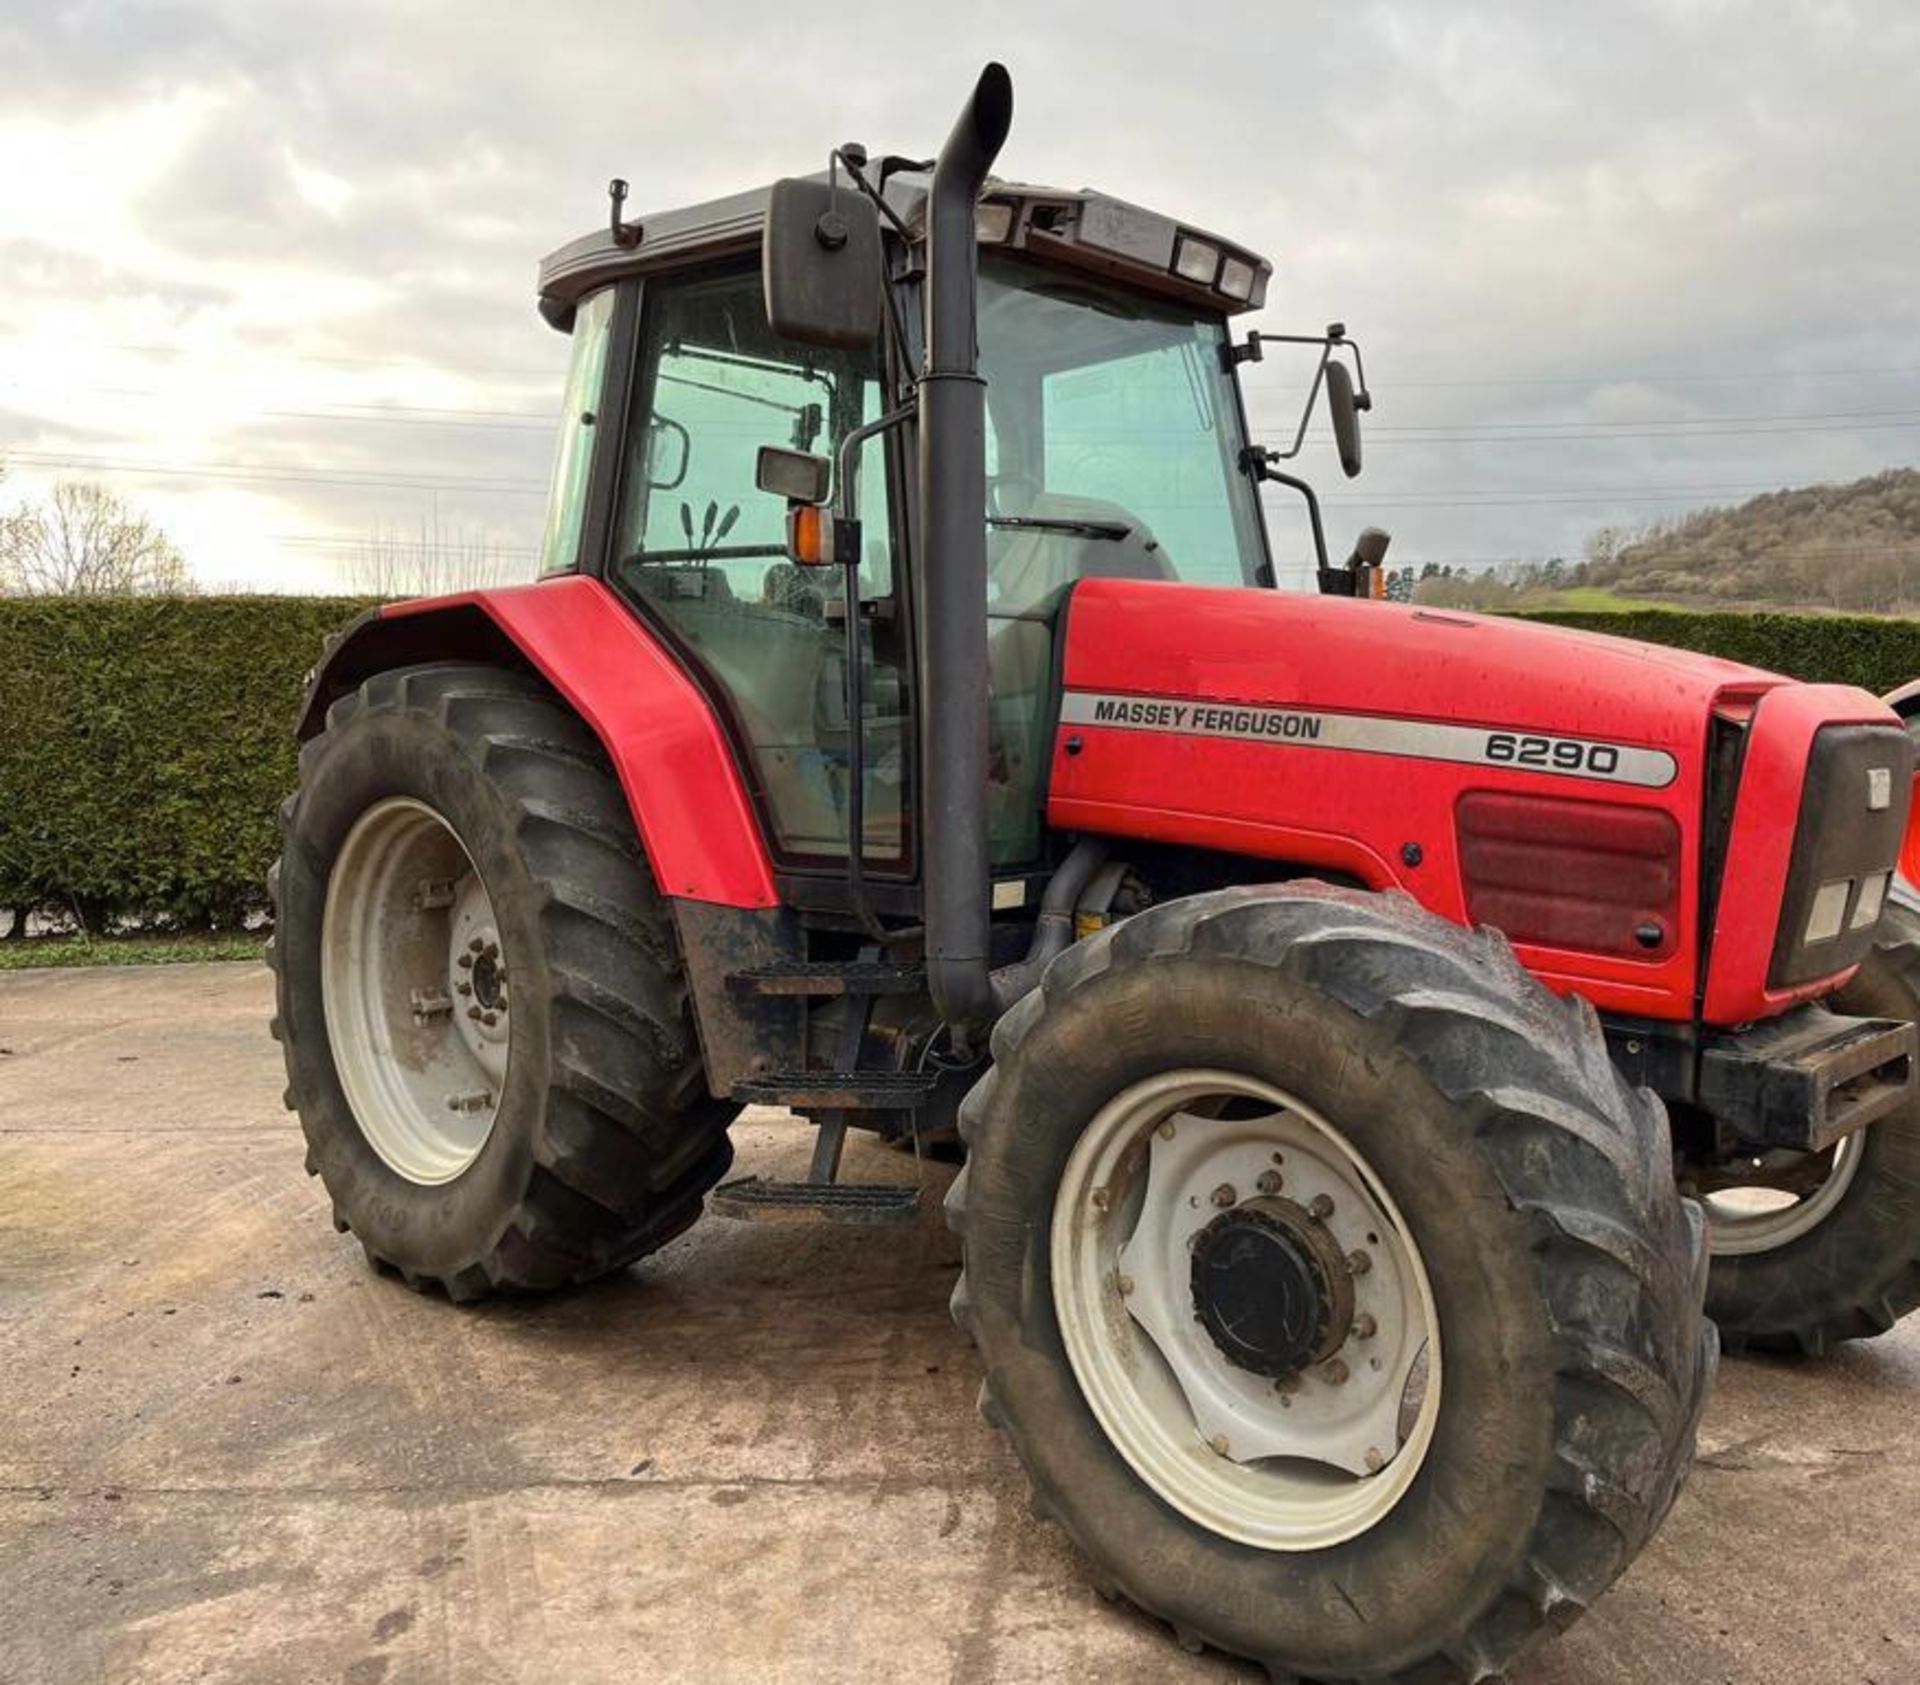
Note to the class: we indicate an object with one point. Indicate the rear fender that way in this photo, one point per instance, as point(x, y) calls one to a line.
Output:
point(689, 802)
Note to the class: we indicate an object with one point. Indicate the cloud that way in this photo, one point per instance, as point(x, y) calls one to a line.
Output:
point(234, 230)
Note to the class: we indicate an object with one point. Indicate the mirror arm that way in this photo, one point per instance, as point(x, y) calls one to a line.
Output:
point(1259, 463)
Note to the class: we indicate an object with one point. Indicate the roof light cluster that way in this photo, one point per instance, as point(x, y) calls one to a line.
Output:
point(1112, 235)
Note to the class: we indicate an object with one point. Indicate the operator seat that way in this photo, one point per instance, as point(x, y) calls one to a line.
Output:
point(1035, 565)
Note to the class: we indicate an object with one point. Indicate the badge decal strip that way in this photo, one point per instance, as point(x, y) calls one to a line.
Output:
point(1375, 734)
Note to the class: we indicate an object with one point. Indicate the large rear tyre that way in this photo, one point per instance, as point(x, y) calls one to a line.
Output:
point(1810, 1249)
point(1330, 1284)
point(486, 1029)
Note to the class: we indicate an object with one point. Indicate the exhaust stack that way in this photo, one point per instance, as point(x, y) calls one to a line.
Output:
point(953, 596)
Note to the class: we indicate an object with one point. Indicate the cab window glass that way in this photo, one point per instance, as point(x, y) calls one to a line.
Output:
point(704, 548)
point(579, 419)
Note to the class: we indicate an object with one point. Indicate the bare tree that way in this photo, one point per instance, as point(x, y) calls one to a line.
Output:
point(390, 564)
point(84, 541)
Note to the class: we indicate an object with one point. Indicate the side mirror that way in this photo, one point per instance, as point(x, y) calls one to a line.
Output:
point(1344, 409)
point(821, 265)
point(794, 475)
point(662, 430)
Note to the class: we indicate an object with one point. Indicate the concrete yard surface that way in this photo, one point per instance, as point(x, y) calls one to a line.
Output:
point(230, 1453)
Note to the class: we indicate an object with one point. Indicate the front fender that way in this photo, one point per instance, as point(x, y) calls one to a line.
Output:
point(689, 802)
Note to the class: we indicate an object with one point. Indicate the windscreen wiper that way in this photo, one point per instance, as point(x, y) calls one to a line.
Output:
point(1115, 530)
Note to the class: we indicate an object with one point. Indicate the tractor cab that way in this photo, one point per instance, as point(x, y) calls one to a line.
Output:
point(1116, 446)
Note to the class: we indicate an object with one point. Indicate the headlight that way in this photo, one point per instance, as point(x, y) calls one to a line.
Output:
point(1873, 894)
point(1829, 911)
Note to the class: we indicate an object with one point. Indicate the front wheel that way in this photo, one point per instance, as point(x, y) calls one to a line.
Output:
point(1810, 1249)
point(1329, 1283)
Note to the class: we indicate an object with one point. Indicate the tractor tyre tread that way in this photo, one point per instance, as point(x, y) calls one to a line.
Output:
point(1858, 1273)
point(628, 1141)
point(1584, 1156)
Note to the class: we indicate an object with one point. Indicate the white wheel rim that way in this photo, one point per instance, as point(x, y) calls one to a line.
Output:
point(1292, 1465)
point(415, 988)
point(1745, 1220)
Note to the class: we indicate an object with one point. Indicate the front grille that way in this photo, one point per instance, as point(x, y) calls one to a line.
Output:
point(1843, 849)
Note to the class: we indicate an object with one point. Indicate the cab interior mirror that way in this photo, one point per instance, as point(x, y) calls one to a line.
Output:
point(794, 475)
point(821, 265)
point(1346, 416)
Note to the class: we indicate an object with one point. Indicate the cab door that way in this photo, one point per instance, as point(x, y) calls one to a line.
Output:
point(702, 552)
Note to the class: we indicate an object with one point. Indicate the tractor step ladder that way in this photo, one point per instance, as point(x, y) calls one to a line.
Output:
point(832, 1094)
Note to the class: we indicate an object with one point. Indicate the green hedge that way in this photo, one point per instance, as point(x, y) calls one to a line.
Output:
point(145, 745)
point(1830, 649)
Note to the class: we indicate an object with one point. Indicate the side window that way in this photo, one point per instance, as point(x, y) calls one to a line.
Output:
point(703, 547)
point(579, 417)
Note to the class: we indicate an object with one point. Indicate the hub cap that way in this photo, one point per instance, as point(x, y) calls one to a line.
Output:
point(1245, 1311)
point(416, 991)
point(1270, 1287)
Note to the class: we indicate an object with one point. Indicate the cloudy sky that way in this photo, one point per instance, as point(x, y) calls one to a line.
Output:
point(269, 265)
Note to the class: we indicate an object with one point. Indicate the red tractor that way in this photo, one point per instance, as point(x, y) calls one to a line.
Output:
point(1336, 999)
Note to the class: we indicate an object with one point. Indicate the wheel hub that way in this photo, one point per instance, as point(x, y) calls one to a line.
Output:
point(1272, 1288)
point(416, 992)
point(1244, 1309)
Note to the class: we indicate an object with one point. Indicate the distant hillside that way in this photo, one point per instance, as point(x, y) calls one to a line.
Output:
point(1851, 547)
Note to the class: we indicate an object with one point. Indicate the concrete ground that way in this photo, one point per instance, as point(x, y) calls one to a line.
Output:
point(230, 1453)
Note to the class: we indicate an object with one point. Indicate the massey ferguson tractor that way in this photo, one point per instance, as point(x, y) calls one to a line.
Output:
point(1375, 1033)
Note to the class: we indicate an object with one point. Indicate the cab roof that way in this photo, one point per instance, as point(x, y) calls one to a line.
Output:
point(1076, 228)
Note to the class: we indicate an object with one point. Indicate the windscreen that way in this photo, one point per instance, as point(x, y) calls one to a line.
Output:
point(1114, 439)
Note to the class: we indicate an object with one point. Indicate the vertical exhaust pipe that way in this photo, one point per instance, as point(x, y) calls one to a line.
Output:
point(953, 595)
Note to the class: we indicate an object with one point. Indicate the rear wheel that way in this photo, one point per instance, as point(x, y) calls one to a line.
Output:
point(1810, 1249)
point(486, 1031)
point(1329, 1283)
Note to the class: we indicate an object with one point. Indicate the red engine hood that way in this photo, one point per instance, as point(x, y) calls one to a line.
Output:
point(1369, 657)
point(1342, 736)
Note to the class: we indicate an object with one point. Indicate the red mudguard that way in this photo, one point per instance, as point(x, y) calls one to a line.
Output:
point(675, 764)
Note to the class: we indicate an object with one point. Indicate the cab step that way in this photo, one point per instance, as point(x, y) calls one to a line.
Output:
point(852, 1091)
point(829, 977)
point(751, 1200)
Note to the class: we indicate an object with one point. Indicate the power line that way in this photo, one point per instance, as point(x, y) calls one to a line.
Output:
point(553, 373)
point(1668, 378)
point(310, 476)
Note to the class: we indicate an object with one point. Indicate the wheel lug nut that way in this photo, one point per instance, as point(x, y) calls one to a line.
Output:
point(1224, 1195)
point(473, 1012)
point(1321, 1208)
point(1359, 1262)
point(492, 950)
point(1364, 1327)
point(463, 988)
point(466, 962)
point(1375, 1462)
point(1269, 1182)
point(1100, 1199)
point(1219, 1444)
point(489, 1017)
point(1286, 1383)
point(1334, 1371)
point(476, 946)
point(1125, 1284)
point(1166, 1130)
